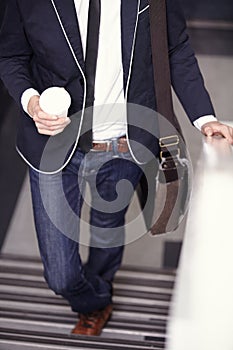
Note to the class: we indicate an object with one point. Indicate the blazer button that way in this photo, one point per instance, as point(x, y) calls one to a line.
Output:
point(81, 82)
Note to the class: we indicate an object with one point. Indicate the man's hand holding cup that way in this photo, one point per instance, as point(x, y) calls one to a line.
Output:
point(49, 111)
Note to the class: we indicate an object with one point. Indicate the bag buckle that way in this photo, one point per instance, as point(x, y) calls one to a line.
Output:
point(173, 154)
point(169, 141)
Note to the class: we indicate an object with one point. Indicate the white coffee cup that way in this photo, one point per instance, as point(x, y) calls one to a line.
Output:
point(56, 101)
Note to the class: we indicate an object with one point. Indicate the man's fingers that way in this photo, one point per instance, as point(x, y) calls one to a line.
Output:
point(49, 132)
point(216, 128)
point(208, 131)
point(40, 115)
point(46, 128)
point(225, 131)
point(47, 124)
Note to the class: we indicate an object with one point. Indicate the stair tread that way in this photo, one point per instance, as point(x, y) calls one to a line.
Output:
point(33, 317)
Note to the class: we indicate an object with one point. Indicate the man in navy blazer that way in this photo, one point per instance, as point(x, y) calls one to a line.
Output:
point(42, 44)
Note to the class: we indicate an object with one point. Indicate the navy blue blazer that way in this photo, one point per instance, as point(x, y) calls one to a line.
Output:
point(35, 53)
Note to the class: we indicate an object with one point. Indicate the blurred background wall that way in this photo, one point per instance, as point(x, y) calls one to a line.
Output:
point(12, 168)
point(208, 9)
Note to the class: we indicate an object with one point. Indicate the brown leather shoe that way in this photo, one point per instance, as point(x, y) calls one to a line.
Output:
point(93, 323)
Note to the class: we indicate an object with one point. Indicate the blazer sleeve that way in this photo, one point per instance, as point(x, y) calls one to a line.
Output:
point(15, 53)
point(186, 76)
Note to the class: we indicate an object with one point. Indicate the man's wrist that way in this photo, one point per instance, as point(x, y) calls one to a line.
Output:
point(25, 98)
point(33, 102)
point(198, 123)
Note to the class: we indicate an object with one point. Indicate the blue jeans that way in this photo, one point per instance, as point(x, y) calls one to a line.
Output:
point(57, 203)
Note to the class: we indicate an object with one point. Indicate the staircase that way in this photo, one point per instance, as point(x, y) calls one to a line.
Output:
point(32, 317)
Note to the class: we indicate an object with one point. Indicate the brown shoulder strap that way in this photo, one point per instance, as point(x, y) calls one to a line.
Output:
point(162, 80)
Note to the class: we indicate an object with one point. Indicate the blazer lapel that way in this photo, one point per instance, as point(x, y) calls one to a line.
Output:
point(129, 13)
point(67, 12)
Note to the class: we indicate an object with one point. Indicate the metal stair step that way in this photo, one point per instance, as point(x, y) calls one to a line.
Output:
point(33, 340)
point(33, 317)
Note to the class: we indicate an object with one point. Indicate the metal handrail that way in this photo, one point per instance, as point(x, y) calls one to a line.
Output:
point(202, 307)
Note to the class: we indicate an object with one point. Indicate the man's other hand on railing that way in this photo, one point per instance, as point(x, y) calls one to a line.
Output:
point(216, 128)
